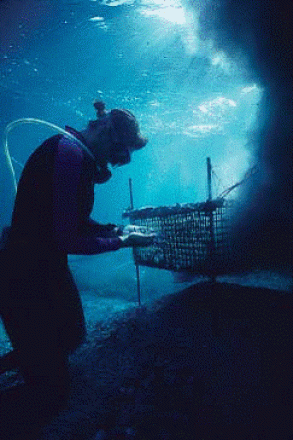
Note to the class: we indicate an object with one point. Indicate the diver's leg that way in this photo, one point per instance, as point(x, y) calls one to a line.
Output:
point(48, 379)
point(44, 362)
point(70, 313)
point(26, 408)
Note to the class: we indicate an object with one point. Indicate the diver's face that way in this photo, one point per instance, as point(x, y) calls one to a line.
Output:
point(120, 154)
point(106, 145)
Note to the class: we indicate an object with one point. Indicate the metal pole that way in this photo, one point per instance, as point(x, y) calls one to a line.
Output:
point(131, 193)
point(138, 284)
point(209, 170)
point(136, 265)
point(211, 216)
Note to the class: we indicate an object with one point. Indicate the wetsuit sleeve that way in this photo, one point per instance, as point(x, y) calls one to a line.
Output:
point(66, 225)
point(92, 227)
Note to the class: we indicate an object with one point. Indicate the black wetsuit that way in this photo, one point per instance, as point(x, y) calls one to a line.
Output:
point(39, 303)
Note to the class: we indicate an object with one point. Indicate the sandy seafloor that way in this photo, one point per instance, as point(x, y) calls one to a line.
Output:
point(207, 361)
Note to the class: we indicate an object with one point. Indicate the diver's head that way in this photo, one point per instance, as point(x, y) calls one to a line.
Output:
point(125, 136)
point(114, 135)
point(112, 138)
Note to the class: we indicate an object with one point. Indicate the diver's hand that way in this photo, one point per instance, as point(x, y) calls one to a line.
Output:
point(136, 239)
point(123, 230)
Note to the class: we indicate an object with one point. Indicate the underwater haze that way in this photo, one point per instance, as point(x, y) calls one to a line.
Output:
point(191, 101)
point(192, 95)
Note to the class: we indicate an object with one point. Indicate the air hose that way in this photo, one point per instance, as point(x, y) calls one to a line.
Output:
point(13, 124)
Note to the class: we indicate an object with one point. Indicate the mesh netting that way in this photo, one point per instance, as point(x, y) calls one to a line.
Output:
point(191, 237)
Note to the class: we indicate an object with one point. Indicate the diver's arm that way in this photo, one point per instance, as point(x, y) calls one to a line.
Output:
point(92, 227)
point(66, 225)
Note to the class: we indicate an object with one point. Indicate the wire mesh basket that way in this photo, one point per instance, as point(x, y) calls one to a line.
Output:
point(191, 237)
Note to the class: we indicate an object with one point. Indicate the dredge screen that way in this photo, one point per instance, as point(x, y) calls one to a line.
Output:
point(191, 237)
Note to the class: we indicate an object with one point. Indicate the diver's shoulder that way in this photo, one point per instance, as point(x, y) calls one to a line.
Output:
point(70, 146)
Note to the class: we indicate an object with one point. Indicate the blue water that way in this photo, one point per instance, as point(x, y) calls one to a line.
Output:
point(147, 56)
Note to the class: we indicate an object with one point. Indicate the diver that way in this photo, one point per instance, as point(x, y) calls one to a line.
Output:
point(40, 304)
